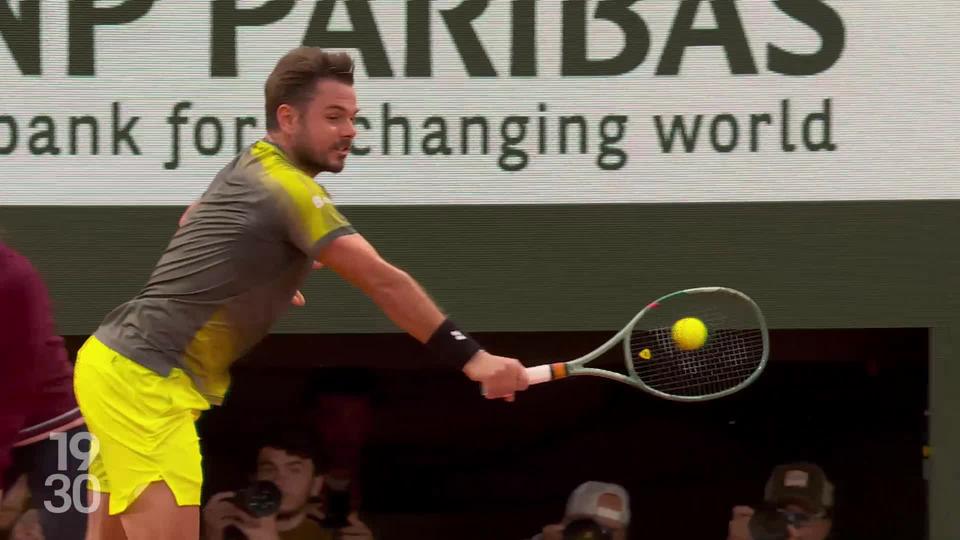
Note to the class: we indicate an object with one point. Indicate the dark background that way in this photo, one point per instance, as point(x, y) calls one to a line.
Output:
point(441, 462)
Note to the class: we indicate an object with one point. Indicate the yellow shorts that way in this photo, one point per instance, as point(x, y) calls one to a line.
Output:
point(143, 425)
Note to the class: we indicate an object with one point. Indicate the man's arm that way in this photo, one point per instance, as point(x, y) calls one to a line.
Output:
point(319, 230)
point(396, 293)
point(408, 305)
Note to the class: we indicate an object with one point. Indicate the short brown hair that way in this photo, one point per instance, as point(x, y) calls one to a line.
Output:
point(295, 76)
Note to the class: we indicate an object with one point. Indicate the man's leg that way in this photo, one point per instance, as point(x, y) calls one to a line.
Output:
point(155, 515)
point(149, 451)
point(100, 524)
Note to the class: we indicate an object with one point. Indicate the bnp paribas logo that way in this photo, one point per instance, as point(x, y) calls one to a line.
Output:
point(471, 26)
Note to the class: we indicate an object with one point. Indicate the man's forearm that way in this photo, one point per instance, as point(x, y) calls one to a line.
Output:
point(408, 305)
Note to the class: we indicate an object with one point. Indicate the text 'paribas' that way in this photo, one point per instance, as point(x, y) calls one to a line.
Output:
point(521, 27)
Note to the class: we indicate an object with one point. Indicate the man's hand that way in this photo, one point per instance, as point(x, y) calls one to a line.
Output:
point(739, 528)
point(220, 513)
point(357, 530)
point(500, 376)
point(298, 299)
point(186, 214)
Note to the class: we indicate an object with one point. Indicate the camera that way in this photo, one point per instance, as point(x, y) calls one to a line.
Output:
point(586, 529)
point(768, 523)
point(259, 499)
point(337, 503)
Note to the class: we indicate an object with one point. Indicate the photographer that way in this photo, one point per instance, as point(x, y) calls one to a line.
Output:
point(595, 511)
point(282, 504)
point(798, 505)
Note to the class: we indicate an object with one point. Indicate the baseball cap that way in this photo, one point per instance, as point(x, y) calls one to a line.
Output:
point(803, 484)
point(585, 502)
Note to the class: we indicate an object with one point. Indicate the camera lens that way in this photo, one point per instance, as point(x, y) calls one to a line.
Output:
point(586, 529)
point(262, 499)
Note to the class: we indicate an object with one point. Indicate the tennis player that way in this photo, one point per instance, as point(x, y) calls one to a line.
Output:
point(229, 272)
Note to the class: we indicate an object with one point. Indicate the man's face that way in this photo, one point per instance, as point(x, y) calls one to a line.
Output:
point(294, 475)
point(323, 129)
point(607, 503)
point(815, 528)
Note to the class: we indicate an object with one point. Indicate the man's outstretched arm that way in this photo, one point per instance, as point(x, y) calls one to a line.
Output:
point(406, 303)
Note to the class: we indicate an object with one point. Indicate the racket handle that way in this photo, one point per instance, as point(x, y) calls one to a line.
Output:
point(541, 374)
point(546, 372)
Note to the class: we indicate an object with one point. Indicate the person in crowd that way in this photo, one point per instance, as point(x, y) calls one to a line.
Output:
point(289, 462)
point(595, 510)
point(797, 505)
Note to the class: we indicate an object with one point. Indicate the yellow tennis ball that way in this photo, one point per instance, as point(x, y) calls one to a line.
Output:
point(689, 333)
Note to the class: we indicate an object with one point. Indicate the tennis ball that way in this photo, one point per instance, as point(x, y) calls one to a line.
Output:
point(689, 333)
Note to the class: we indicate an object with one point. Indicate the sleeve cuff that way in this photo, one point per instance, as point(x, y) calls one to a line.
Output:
point(330, 237)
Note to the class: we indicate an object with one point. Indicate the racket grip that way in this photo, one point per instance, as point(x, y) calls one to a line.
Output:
point(541, 374)
point(546, 372)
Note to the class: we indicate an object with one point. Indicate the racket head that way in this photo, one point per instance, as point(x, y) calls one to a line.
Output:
point(732, 357)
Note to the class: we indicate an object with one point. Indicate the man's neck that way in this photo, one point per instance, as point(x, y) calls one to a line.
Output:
point(285, 147)
point(289, 523)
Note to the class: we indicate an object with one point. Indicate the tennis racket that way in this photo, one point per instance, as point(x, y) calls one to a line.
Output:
point(731, 358)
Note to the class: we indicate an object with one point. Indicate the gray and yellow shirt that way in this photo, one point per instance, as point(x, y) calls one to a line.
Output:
point(229, 272)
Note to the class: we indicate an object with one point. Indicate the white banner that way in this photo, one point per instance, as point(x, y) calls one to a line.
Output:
point(503, 102)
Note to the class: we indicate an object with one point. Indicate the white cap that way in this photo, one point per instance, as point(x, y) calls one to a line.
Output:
point(585, 502)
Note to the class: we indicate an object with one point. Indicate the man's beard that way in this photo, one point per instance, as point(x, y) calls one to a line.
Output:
point(304, 155)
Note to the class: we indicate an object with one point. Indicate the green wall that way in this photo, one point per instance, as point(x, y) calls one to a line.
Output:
point(808, 265)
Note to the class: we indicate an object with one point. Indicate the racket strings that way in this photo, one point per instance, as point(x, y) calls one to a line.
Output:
point(688, 378)
point(729, 357)
point(704, 377)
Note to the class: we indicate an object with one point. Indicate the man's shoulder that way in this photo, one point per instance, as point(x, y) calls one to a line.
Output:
point(240, 180)
point(276, 170)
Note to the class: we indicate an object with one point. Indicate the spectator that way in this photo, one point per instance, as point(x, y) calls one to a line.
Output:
point(289, 461)
point(42, 433)
point(798, 505)
point(339, 406)
point(595, 510)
